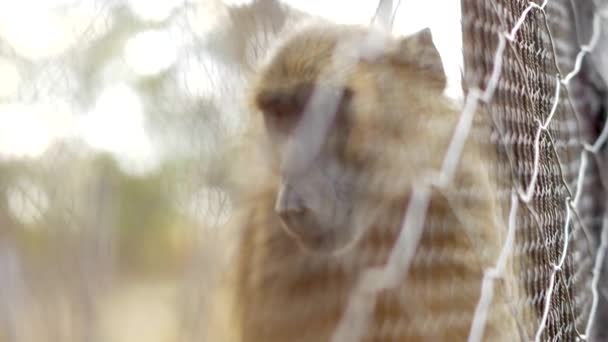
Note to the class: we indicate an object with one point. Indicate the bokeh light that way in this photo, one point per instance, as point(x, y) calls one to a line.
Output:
point(48, 37)
point(26, 130)
point(150, 52)
point(157, 10)
point(9, 78)
point(116, 125)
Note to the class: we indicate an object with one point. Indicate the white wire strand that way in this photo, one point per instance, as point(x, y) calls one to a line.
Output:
point(597, 269)
point(571, 203)
point(527, 195)
point(487, 287)
point(487, 290)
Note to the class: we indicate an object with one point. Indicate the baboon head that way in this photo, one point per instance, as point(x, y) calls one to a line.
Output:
point(340, 107)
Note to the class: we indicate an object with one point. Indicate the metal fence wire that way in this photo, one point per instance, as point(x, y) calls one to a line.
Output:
point(549, 148)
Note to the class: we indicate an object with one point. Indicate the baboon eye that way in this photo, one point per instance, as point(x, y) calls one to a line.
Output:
point(347, 95)
point(291, 101)
point(284, 103)
point(284, 107)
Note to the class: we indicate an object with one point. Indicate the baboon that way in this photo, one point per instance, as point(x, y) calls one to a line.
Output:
point(350, 121)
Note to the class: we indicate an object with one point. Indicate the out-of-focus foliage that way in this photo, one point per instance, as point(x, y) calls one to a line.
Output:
point(110, 103)
point(115, 122)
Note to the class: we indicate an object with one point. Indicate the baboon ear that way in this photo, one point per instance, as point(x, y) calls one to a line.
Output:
point(419, 50)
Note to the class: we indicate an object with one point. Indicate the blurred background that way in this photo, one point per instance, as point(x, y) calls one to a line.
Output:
point(117, 122)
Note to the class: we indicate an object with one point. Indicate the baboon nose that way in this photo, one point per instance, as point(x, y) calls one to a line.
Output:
point(288, 201)
point(292, 212)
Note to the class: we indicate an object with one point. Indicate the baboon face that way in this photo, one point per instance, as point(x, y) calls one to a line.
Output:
point(324, 115)
point(317, 190)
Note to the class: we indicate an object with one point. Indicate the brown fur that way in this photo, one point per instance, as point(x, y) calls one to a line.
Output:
point(395, 130)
